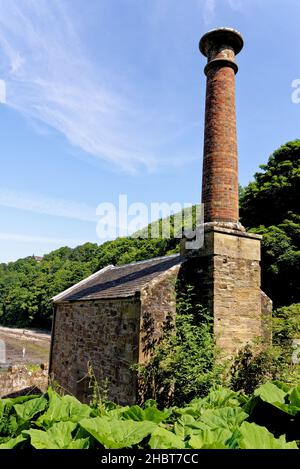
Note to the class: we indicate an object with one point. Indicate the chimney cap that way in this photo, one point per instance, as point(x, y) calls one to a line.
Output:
point(221, 36)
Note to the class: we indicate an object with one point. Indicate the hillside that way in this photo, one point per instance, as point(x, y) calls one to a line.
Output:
point(26, 286)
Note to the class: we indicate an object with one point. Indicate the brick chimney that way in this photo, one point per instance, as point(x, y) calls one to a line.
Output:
point(220, 160)
point(225, 270)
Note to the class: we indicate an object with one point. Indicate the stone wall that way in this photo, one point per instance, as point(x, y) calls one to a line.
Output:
point(111, 335)
point(237, 296)
point(103, 333)
point(158, 305)
point(226, 275)
point(18, 378)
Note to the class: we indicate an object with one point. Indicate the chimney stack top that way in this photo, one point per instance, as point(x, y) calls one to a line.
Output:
point(221, 37)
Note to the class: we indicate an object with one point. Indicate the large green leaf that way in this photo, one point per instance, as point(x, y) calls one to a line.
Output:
point(150, 413)
point(187, 425)
point(227, 418)
point(7, 420)
point(13, 442)
point(29, 409)
point(295, 397)
point(276, 396)
point(3, 416)
point(59, 436)
point(285, 387)
point(210, 439)
point(221, 397)
point(63, 409)
point(255, 437)
point(10, 401)
point(271, 393)
point(164, 439)
point(115, 434)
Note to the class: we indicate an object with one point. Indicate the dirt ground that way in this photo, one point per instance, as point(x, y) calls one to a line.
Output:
point(23, 346)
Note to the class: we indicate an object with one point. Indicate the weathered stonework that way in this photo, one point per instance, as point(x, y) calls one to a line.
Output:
point(226, 275)
point(226, 271)
point(158, 305)
point(111, 336)
point(103, 333)
point(18, 378)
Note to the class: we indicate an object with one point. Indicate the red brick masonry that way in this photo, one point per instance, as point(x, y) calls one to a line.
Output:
point(220, 159)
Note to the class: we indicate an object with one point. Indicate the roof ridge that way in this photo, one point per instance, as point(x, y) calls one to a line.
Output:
point(123, 279)
point(147, 260)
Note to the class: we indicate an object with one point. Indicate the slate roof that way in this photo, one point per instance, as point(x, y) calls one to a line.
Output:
point(118, 281)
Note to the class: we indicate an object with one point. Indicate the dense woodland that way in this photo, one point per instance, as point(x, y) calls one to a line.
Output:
point(269, 205)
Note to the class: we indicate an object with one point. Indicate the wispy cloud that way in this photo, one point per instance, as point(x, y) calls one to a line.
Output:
point(235, 4)
point(50, 79)
point(39, 239)
point(47, 205)
point(209, 8)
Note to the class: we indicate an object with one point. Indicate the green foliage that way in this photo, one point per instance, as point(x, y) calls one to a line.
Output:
point(270, 206)
point(274, 194)
point(26, 286)
point(12, 443)
point(115, 433)
point(62, 409)
point(252, 367)
point(27, 410)
point(182, 364)
point(164, 439)
point(286, 326)
point(59, 436)
point(281, 260)
point(254, 436)
point(255, 365)
point(223, 419)
point(151, 413)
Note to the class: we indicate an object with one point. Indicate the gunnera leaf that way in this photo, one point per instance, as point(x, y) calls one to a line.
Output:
point(256, 437)
point(116, 434)
point(59, 436)
point(63, 409)
point(29, 409)
point(13, 442)
point(164, 439)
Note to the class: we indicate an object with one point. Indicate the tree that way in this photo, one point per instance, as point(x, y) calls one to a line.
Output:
point(274, 194)
point(270, 206)
point(281, 261)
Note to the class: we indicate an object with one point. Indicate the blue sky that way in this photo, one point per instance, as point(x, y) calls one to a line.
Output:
point(106, 97)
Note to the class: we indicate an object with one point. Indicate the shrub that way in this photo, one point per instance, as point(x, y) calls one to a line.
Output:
point(183, 363)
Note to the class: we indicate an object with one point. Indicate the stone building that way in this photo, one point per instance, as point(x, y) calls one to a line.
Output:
point(112, 318)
